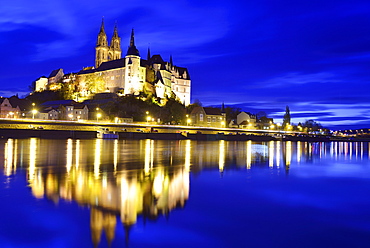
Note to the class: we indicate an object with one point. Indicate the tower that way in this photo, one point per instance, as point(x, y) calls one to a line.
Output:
point(134, 74)
point(115, 46)
point(101, 47)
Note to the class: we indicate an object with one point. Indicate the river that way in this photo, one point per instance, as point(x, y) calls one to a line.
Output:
point(152, 193)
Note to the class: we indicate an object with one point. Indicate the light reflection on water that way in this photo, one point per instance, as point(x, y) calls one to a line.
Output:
point(147, 178)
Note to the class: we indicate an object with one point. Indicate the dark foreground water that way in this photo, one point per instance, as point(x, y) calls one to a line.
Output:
point(118, 193)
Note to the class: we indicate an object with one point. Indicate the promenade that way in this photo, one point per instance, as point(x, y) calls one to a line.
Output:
point(15, 128)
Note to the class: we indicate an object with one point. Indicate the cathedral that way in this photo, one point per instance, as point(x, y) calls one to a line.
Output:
point(128, 75)
point(132, 74)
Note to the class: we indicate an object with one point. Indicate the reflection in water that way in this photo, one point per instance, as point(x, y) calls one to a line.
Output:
point(221, 159)
point(146, 178)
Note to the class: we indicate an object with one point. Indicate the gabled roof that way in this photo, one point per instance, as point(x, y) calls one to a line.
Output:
point(54, 73)
point(2, 99)
point(156, 59)
point(79, 106)
point(23, 104)
point(48, 110)
point(212, 111)
point(207, 110)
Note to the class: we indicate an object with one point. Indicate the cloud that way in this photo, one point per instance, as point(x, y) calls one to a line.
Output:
point(300, 78)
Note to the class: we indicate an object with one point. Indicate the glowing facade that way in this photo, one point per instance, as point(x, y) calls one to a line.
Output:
point(134, 75)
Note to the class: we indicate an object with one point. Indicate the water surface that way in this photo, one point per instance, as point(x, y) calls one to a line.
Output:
point(127, 193)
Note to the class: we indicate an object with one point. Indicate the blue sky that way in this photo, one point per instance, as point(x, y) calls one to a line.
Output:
point(313, 56)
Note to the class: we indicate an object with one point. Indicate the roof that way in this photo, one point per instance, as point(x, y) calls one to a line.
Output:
point(48, 110)
point(23, 104)
point(212, 111)
point(79, 106)
point(132, 50)
point(113, 64)
point(156, 59)
point(54, 73)
point(207, 110)
point(181, 71)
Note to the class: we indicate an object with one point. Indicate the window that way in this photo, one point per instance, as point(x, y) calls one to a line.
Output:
point(201, 117)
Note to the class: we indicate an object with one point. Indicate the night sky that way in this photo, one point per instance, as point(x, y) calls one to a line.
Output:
point(260, 55)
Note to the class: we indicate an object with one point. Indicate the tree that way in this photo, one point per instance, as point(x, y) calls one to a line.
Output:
point(261, 114)
point(95, 83)
point(231, 113)
point(312, 125)
point(286, 119)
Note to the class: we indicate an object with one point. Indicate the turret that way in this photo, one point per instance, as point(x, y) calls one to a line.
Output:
point(132, 50)
point(134, 74)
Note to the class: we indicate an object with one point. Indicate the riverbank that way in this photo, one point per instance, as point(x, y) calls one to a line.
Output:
point(78, 134)
point(88, 130)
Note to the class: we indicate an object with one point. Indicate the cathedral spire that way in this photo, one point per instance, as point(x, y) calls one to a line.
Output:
point(115, 33)
point(132, 50)
point(115, 45)
point(102, 31)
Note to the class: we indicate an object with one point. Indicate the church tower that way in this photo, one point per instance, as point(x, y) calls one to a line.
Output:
point(134, 73)
point(115, 46)
point(101, 47)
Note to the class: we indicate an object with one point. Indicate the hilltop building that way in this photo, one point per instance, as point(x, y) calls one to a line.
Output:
point(128, 75)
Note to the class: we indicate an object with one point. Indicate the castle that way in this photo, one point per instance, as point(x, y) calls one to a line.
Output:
point(128, 75)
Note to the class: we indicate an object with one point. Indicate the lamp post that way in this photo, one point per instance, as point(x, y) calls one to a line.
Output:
point(70, 116)
point(11, 114)
point(98, 115)
point(147, 117)
point(33, 110)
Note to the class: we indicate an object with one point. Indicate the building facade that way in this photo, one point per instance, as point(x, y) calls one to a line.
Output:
point(132, 74)
point(208, 117)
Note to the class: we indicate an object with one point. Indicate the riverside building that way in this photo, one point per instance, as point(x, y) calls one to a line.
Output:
point(130, 74)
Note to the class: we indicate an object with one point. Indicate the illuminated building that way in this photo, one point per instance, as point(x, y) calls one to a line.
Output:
point(8, 109)
point(132, 74)
point(208, 117)
point(128, 75)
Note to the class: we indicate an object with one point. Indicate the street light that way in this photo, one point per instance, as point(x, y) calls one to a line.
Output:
point(70, 116)
point(188, 121)
point(11, 114)
point(98, 115)
point(34, 111)
point(147, 117)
